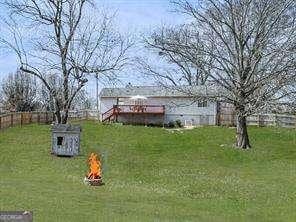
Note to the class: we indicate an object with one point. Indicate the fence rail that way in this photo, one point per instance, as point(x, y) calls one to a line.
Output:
point(84, 114)
point(21, 118)
point(287, 121)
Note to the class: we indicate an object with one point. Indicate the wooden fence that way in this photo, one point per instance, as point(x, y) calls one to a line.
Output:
point(279, 120)
point(84, 114)
point(287, 121)
point(21, 118)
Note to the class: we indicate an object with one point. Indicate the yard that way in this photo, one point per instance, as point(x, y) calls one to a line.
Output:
point(151, 174)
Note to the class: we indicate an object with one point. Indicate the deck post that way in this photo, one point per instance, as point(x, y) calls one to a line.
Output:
point(116, 114)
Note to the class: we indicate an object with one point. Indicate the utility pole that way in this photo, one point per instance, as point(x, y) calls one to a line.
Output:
point(97, 91)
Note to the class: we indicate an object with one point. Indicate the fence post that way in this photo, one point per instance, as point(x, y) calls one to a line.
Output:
point(11, 119)
point(0, 122)
point(258, 120)
point(46, 117)
point(276, 120)
point(234, 119)
point(21, 119)
point(86, 114)
point(38, 117)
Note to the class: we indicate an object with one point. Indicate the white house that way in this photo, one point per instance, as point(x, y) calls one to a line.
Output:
point(157, 105)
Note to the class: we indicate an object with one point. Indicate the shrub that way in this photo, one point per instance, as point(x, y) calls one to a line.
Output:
point(178, 123)
point(171, 124)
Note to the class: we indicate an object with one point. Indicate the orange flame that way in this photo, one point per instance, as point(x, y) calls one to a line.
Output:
point(94, 167)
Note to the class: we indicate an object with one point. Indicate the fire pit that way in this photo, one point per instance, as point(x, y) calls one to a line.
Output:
point(94, 177)
point(93, 182)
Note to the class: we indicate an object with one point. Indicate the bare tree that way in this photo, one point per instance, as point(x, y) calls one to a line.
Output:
point(180, 47)
point(288, 102)
point(251, 49)
point(47, 101)
point(83, 101)
point(68, 41)
point(19, 92)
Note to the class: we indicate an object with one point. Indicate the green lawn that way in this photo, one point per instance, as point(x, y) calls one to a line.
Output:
point(151, 174)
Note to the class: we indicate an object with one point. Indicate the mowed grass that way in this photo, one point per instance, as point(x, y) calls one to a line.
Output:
point(151, 174)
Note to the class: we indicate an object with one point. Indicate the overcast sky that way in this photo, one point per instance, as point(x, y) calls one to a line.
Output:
point(133, 16)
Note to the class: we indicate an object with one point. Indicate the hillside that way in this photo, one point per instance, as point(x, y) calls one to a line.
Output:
point(151, 174)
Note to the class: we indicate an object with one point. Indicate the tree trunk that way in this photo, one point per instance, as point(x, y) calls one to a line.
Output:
point(61, 116)
point(57, 114)
point(242, 137)
point(65, 116)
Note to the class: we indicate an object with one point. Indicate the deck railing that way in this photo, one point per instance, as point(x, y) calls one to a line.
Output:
point(132, 109)
point(140, 109)
point(107, 115)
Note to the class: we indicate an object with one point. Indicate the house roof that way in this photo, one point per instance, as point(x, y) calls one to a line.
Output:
point(158, 91)
point(66, 128)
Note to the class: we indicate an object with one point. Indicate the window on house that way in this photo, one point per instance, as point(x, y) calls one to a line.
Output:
point(60, 141)
point(203, 103)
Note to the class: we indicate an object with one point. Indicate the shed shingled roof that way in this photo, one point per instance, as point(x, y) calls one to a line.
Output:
point(66, 128)
point(157, 91)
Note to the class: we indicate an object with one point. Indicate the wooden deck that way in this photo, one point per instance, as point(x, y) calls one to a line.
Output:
point(132, 109)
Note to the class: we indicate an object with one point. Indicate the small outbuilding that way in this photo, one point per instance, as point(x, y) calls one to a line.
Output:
point(66, 140)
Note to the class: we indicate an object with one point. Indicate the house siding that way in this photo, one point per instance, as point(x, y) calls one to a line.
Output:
point(106, 104)
point(176, 108)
